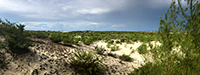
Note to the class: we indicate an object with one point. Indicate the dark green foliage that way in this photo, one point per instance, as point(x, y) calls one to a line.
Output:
point(100, 50)
point(40, 35)
point(108, 45)
point(3, 63)
point(56, 37)
point(123, 40)
point(125, 57)
point(112, 55)
point(114, 48)
point(87, 63)
point(148, 69)
point(87, 41)
point(15, 37)
point(118, 42)
point(111, 42)
point(142, 49)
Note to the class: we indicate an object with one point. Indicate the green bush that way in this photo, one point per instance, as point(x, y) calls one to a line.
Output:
point(56, 37)
point(87, 41)
point(108, 45)
point(148, 69)
point(41, 35)
point(125, 57)
point(118, 42)
point(111, 42)
point(100, 50)
point(87, 63)
point(114, 48)
point(142, 49)
point(15, 37)
point(112, 55)
point(123, 40)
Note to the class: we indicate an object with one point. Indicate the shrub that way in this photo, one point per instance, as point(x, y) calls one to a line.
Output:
point(111, 42)
point(87, 63)
point(56, 37)
point(15, 37)
point(112, 55)
point(125, 57)
point(118, 42)
point(133, 51)
point(114, 48)
point(100, 50)
point(108, 45)
point(87, 41)
point(131, 47)
point(148, 69)
point(123, 40)
point(41, 35)
point(142, 49)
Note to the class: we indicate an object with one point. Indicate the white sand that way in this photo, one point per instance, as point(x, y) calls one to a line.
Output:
point(125, 49)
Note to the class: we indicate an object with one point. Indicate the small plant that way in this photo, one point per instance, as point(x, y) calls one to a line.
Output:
point(131, 47)
point(118, 42)
point(117, 47)
point(100, 50)
point(125, 45)
point(142, 49)
point(133, 51)
point(125, 57)
point(108, 45)
point(111, 42)
point(112, 55)
point(114, 48)
point(86, 63)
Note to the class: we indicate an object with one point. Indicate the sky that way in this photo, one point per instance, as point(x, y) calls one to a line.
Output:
point(81, 15)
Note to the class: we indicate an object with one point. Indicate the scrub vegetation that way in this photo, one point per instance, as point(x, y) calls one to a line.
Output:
point(179, 27)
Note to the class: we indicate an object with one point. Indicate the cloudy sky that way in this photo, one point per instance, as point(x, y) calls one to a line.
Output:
point(97, 15)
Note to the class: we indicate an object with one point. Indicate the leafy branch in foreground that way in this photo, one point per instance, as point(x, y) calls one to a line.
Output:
point(168, 59)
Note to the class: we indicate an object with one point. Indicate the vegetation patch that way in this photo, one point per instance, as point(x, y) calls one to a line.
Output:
point(86, 63)
point(100, 50)
point(142, 49)
point(125, 57)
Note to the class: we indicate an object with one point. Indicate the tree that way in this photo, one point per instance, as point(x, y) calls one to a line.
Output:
point(15, 37)
point(179, 28)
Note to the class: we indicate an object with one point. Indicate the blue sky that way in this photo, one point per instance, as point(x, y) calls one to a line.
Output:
point(96, 15)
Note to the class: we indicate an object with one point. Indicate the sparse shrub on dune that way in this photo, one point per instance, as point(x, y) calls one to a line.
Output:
point(100, 50)
point(113, 55)
point(118, 42)
point(86, 63)
point(108, 45)
point(142, 49)
point(125, 57)
point(114, 48)
point(111, 42)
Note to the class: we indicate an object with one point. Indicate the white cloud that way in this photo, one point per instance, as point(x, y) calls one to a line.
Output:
point(118, 26)
point(93, 11)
